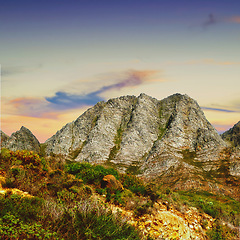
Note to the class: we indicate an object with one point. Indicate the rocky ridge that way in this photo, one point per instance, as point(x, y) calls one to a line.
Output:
point(168, 140)
point(136, 132)
point(20, 140)
point(233, 135)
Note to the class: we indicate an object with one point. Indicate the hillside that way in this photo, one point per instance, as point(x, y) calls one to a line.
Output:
point(132, 132)
point(20, 140)
point(169, 141)
point(47, 198)
point(129, 168)
point(233, 135)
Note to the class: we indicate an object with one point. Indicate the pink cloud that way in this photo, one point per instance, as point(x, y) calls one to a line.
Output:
point(235, 19)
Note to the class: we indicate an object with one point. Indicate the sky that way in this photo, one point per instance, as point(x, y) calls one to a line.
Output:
point(60, 57)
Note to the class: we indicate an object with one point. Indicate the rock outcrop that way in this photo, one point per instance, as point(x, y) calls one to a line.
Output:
point(110, 182)
point(22, 140)
point(3, 138)
point(148, 137)
point(165, 223)
point(233, 135)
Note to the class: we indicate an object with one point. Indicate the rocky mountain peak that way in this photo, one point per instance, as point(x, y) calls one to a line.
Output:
point(4, 137)
point(140, 134)
point(233, 135)
point(22, 140)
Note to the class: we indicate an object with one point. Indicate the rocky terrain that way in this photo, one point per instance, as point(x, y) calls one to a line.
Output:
point(233, 135)
point(167, 140)
point(20, 140)
point(156, 139)
point(186, 171)
point(132, 132)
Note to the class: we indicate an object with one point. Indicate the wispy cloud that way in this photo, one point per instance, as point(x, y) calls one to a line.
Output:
point(12, 70)
point(49, 107)
point(208, 61)
point(235, 19)
point(219, 109)
point(65, 100)
point(211, 20)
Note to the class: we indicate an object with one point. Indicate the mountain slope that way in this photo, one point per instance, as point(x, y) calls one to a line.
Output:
point(140, 134)
point(233, 135)
point(21, 140)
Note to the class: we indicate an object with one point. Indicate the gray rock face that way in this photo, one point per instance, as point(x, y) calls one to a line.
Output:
point(233, 135)
point(4, 137)
point(141, 134)
point(22, 140)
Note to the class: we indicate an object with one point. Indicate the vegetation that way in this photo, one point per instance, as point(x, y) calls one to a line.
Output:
point(69, 200)
point(62, 205)
point(223, 209)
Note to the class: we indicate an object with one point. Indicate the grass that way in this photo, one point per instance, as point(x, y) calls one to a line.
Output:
point(64, 205)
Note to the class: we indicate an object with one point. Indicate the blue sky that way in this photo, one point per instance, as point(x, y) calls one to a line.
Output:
point(59, 58)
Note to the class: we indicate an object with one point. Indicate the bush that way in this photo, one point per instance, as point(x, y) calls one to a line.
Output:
point(89, 173)
point(133, 183)
point(92, 221)
point(12, 227)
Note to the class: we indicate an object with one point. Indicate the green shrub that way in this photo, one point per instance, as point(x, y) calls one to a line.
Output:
point(89, 173)
point(90, 221)
point(217, 206)
point(143, 209)
point(133, 183)
point(27, 209)
point(12, 227)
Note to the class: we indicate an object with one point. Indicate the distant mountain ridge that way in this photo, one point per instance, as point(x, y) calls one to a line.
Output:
point(20, 140)
point(233, 135)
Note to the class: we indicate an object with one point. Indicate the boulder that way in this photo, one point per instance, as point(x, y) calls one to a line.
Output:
point(110, 182)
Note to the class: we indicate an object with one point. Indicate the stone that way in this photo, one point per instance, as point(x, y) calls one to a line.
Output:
point(170, 140)
point(4, 138)
point(22, 140)
point(233, 135)
point(111, 183)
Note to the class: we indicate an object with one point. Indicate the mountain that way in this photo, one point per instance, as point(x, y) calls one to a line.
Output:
point(20, 140)
point(4, 137)
point(143, 135)
point(233, 135)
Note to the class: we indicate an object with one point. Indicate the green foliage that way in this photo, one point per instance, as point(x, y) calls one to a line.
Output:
point(12, 227)
point(221, 207)
point(61, 214)
point(89, 173)
point(20, 218)
point(26, 208)
point(115, 149)
point(24, 159)
point(143, 209)
point(221, 232)
point(189, 157)
point(216, 233)
point(135, 184)
point(92, 222)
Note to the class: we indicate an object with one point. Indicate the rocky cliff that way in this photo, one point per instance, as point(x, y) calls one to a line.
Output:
point(143, 135)
point(233, 135)
point(20, 140)
point(3, 137)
